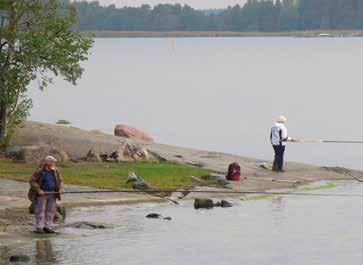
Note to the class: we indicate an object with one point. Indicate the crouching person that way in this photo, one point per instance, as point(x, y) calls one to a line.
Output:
point(46, 186)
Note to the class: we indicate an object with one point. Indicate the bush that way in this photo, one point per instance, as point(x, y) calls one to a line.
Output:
point(63, 122)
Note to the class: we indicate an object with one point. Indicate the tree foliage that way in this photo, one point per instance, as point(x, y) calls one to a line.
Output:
point(255, 15)
point(37, 41)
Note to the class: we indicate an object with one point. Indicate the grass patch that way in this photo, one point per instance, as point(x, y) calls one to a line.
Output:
point(329, 185)
point(112, 175)
point(263, 197)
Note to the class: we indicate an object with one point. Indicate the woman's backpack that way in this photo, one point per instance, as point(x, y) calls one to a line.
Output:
point(234, 172)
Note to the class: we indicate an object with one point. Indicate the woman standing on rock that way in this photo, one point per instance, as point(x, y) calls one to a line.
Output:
point(46, 180)
point(278, 137)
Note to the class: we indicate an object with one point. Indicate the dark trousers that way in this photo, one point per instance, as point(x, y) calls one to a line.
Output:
point(279, 157)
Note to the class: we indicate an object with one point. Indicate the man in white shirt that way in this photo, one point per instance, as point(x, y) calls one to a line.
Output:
point(278, 139)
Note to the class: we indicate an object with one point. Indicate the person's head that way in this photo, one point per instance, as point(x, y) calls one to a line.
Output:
point(50, 162)
point(281, 119)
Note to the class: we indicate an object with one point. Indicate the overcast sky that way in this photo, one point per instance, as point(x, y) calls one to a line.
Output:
point(205, 4)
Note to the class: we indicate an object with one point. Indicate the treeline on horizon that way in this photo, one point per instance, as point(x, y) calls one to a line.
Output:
point(253, 16)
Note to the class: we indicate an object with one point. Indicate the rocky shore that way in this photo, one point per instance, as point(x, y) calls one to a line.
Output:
point(75, 143)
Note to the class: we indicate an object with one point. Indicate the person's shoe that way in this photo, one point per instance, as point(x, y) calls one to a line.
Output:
point(282, 171)
point(48, 230)
point(39, 231)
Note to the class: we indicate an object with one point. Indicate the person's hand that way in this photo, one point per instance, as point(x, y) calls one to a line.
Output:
point(41, 193)
point(61, 192)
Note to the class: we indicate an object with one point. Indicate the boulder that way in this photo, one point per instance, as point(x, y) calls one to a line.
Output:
point(36, 154)
point(225, 204)
point(203, 204)
point(133, 133)
point(168, 218)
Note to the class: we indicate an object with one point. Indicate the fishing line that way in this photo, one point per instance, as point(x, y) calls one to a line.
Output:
point(211, 192)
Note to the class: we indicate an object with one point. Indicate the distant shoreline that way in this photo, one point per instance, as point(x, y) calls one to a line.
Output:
point(224, 34)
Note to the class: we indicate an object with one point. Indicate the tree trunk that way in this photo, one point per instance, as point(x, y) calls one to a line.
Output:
point(3, 120)
point(11, 49)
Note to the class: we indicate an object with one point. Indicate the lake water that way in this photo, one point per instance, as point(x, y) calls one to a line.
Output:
point(221, 94)
point(285, 231)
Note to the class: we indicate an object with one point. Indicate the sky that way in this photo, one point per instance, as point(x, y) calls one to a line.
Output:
point(201, 4)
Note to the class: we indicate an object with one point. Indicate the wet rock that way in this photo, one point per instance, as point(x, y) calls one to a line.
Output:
point(19, 258)
point(203, 204)
point(225, 204)
point(133, 133)
point(158, 216)
point(153, 216)
point(90, 225)
point(217, 204)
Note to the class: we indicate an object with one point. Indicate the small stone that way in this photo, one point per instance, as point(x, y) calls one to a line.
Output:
point(19, 258)
point(153, 215)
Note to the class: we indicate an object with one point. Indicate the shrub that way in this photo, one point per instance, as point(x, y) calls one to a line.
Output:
point(63, 122)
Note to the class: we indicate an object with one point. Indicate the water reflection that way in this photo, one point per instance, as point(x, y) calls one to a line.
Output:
point(278, 212)
point(44, 252)
point(285, 231)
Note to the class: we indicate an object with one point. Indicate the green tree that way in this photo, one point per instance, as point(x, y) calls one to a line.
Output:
point(37, 41)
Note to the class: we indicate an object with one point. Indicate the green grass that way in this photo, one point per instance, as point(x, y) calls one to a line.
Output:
point(263, 197)
point(329, 185)
point(112, 175)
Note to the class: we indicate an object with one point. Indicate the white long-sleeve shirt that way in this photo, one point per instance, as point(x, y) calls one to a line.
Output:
point(278, 134)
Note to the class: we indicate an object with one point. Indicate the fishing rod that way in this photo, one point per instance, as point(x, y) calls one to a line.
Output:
point(327, 141)
point(212, 191)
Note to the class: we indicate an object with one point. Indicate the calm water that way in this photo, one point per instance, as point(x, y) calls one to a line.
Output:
point(221, 94)
point(284, 231)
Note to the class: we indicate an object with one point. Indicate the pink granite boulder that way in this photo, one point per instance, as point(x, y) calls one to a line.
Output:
point(133, 133)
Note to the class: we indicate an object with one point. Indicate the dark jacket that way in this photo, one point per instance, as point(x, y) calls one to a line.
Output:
point(37, 179)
